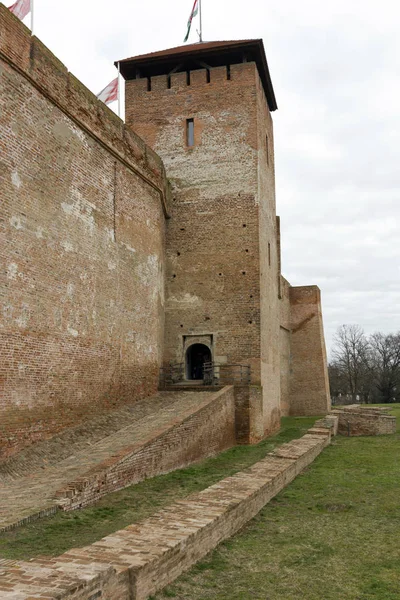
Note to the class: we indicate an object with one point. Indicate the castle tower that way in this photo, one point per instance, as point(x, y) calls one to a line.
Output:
point(205, 109)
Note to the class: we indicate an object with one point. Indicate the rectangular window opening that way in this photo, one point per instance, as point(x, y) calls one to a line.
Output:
point(267, 148)
point(190, 132)
point(149, 84)
point(208, 76)
point(269, 254)
point(187, 77)
point(228, 72)
point(169, 82)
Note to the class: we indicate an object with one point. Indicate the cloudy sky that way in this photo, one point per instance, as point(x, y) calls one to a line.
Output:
point(335, 68)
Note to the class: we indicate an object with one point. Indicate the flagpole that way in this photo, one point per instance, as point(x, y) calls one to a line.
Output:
point(32, 21)
point(119, 91)
point(201, 22)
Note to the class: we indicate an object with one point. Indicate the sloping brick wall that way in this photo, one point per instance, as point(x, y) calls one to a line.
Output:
point(309, 385)
point(184, 428)
point(203, 432)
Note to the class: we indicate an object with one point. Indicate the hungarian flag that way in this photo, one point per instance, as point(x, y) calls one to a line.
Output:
point(194, 12)
point(110, 92)
point(21, 8)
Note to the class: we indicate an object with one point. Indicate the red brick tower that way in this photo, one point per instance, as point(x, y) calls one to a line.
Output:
point(205, 109)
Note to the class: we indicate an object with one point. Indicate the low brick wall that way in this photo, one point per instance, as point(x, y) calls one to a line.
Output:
point(330, 421)
point(204, 432)
point(135, 562)
point(356, 420)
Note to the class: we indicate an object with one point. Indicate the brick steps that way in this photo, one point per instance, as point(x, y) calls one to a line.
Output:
point(182, 427)
point(137, 561)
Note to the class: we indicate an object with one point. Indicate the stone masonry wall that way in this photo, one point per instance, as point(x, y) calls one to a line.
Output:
point(83, 204)
point(309, 385)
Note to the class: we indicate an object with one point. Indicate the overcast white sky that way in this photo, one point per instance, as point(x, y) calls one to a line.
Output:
point(335, 67)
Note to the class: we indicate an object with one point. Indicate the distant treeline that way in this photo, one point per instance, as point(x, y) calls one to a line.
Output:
point(364, 368)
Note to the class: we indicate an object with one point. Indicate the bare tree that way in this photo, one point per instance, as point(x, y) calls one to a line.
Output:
point(385, 356)
point(351, 356)
point(337, 383)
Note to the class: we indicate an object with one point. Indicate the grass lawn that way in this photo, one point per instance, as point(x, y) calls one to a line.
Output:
point(333, 534)
point(55, 535)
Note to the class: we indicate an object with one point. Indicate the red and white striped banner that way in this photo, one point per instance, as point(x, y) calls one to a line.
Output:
point(110, 92)
point(21, 8)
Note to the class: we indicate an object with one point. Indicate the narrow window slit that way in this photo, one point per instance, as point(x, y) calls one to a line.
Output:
point(190, 132)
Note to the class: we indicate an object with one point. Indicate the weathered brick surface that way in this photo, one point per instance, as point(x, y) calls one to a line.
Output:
point(82, 249)
point(15, 39)
point(248, 414)
point(135, 562)
point(270, 264)
point(81, 437)
point(87, 255)
point(285, 346)
point(309, 385)
point(214, 217)
point(222, 257)
point(360, 420)
point(195, 433)
point(330, 421)
point(166, 432)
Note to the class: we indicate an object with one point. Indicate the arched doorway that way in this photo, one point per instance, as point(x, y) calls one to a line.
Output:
point(196, 356)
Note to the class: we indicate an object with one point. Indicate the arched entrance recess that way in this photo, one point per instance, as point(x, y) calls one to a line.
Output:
point(196, 356)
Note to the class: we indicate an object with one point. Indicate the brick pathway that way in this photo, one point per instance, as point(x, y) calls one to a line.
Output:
point(29, 481)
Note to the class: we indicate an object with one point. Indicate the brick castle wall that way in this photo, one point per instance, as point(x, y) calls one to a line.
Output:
point(269, 240)
point(212, 283)
point(82, 249)
point(285, 345)
point(221, 282)
point(87, 247)
point(309, 385)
